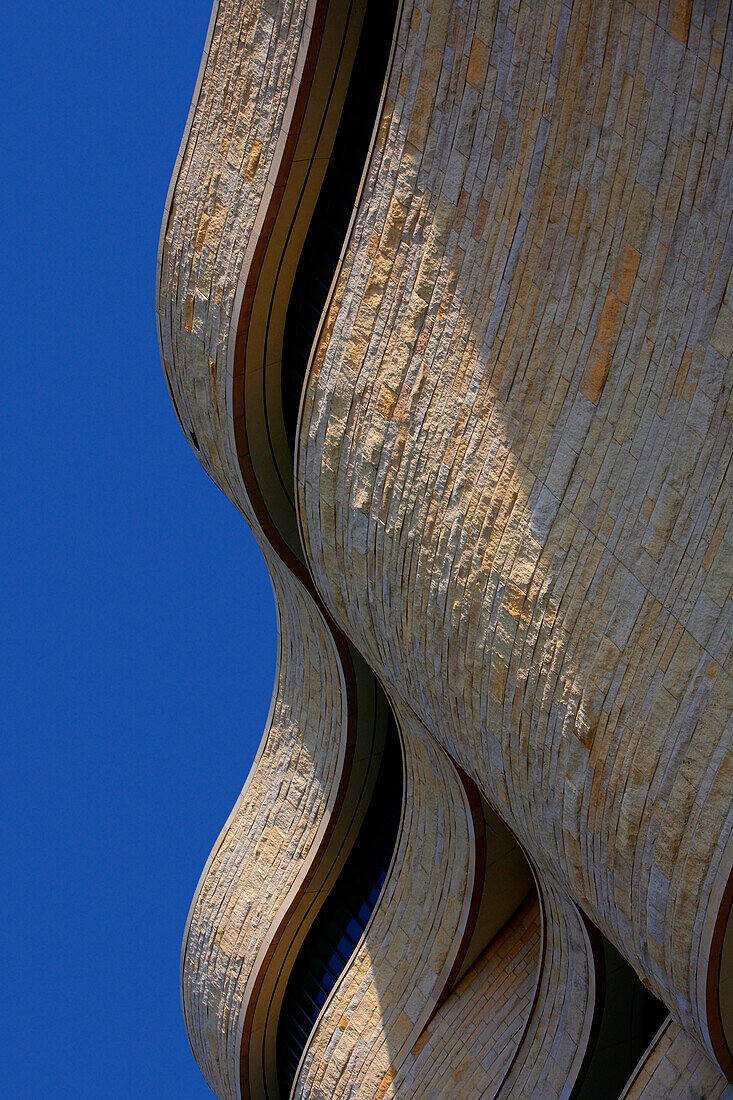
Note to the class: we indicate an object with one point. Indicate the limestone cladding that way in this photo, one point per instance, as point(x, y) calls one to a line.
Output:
point(512, 490)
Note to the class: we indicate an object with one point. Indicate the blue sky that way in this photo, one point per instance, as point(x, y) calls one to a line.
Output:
point(138, 637)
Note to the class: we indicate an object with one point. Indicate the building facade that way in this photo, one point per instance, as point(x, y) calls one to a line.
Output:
point(445, 308)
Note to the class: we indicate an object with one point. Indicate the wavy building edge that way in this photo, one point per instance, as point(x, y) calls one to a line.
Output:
point(228, 234)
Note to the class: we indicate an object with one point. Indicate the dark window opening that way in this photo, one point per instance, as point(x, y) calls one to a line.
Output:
point(630, 1018)
point(335, 205)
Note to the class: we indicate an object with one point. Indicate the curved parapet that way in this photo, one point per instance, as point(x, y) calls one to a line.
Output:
point(251, 874)
point(249, 172)
point(252, 161)
point(553, 1052)
point(515, 449)
point(221, 196)
point(410, 949)
point(508, 504)
point(520, 1024)
point(282, 848)
point(431, 913)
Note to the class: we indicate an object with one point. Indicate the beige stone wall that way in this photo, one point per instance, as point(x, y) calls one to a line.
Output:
point(514, 458)
point(221, 191)
point(513, 483)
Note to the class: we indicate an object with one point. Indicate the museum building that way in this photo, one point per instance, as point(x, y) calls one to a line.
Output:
point(445, 306)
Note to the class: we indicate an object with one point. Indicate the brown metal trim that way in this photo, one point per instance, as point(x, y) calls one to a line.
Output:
point(718, 1038)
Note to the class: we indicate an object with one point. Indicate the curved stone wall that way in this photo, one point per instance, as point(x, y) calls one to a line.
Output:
point(511, 497)
point(401, 968)
point(259, 861)
point(515, 444)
